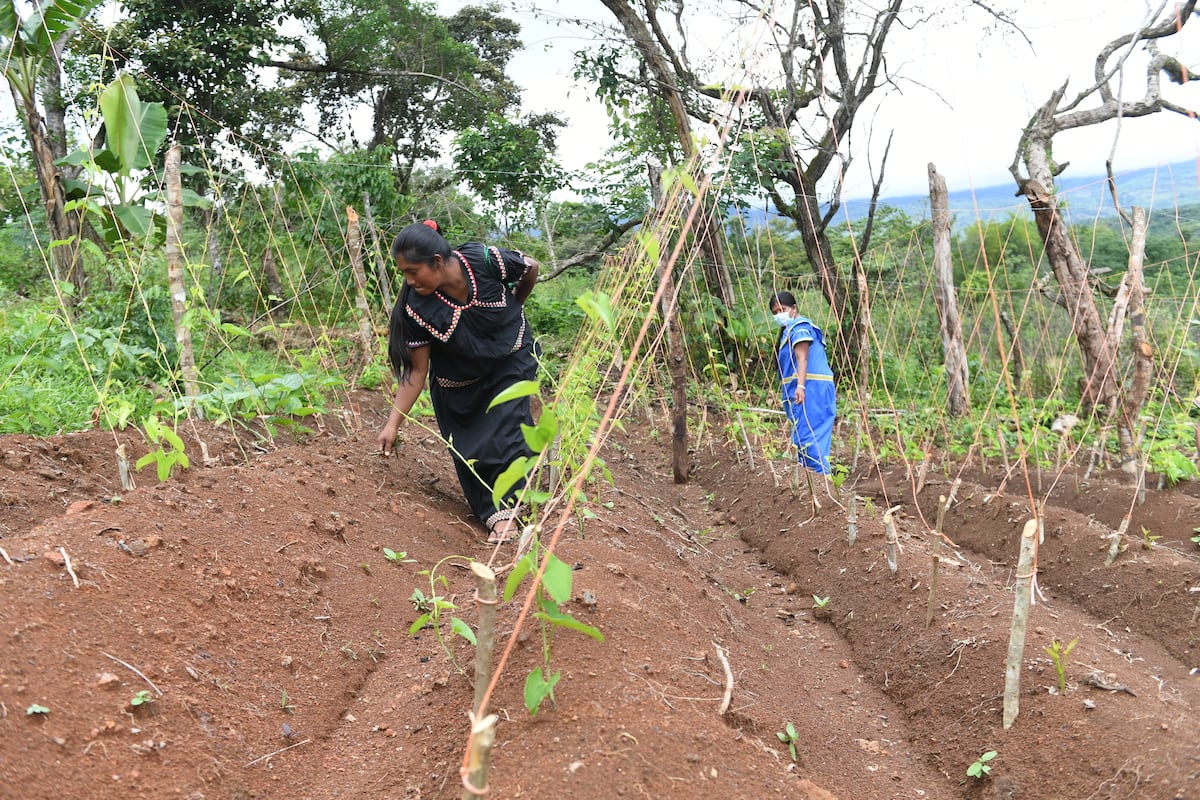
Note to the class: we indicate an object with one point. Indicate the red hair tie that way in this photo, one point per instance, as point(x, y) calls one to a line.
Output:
point(431, 224)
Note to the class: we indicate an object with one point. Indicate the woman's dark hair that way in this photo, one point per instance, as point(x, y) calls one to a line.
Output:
point(417, 244)
point(782, 299)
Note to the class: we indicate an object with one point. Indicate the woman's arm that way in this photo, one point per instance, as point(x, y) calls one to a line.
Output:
point(407, 393)
point(524, 285)
point(800, 350)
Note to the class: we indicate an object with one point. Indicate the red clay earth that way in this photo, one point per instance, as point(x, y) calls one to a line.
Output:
point(250, 599)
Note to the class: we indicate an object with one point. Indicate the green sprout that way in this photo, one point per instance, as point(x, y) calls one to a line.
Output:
point(820, 602)
point(1059, 654)
point(981, 767)
point(397, 556)
point(141, 698)
point(788, 736)
point(36, 709)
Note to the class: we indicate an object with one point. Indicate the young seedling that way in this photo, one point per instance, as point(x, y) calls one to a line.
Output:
point(1058, 654)
point(788, 736)
point(397, 556)
point(285, 703)
point(820, 602)
point(1148, 540)
point(1196, 538)
point(981, 767)
point(36, 709)
point(142, 698)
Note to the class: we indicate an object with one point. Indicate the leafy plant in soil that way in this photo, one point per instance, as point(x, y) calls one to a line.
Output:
point(981, 768)
point(1058, 654)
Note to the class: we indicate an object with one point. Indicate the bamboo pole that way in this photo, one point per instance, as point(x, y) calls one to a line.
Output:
point(354, 242)
point(485, 584)
point(175, 276)
point(1020, 622)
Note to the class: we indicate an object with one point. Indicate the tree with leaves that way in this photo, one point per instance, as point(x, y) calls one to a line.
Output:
point(33, 45)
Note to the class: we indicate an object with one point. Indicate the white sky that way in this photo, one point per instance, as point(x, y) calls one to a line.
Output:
point(989, 87)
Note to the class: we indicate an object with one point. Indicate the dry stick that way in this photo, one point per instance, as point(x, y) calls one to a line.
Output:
point(123, 469)
point(746, 440)
point(728, 681)
point(485, 585)
point(479, 759)
point(852, 521)
point(1020, 622)
point(4, 554)
point(277, 752)
point(889, 526)
point(923, 470)
point(366, 335)
point(936, 557)
point(67, 564)
point(135, 671)
point(1114, 543)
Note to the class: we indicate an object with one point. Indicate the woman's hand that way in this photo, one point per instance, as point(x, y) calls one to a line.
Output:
point(387, 437)
point(798, 394)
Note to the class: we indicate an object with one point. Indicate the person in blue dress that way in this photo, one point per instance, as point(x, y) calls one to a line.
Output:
point(459, 324)
point(806, 381)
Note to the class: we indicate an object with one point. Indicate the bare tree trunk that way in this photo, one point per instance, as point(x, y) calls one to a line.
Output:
point(1016, 356)
point(377, 251)
point(1099, 358)
point(957, 376)
point(275, 301)
point(1135, 397)
point(64, 227)
point(175, 276)
point(676, 355)
point(216, 274)
point(366, 334)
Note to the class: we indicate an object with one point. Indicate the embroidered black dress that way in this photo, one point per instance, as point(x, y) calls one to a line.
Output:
point(477, 349)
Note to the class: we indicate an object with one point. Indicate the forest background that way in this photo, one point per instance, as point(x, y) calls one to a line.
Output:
point(264, 300)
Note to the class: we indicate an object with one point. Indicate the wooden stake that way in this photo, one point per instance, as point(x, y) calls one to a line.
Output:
point(725, 699)
point(123, 469)
point(852, 521)
point(936, 557)
point(485, 585)
point(1114, 542)
point(479, 758)
point(889, 527)
point(1020, 622)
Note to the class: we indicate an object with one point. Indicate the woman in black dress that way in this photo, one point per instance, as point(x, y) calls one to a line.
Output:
point(459, 324)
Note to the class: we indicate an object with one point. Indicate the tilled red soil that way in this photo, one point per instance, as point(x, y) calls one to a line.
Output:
point(251, 602)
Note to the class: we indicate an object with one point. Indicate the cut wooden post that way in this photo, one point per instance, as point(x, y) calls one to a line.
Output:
point(366, 334)
point(936, 557)
point(479, 757)
point(175, 277)
point(1020, 622)
point(1114, 542)
point(485, 584)
point(852, 521)
point(889, 527)
point(123, 468)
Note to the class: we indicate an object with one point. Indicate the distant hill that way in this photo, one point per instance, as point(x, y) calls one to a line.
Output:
point(1158, 188)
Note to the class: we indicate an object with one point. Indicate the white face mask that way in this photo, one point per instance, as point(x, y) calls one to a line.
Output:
point(782, 318)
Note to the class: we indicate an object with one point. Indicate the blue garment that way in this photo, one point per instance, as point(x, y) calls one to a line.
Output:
point(812, 420)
